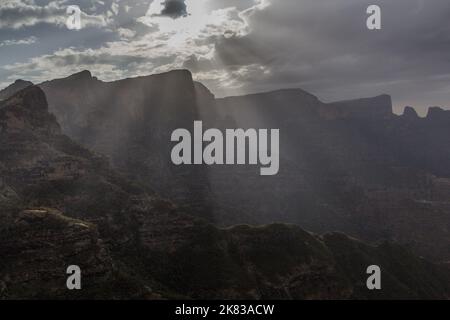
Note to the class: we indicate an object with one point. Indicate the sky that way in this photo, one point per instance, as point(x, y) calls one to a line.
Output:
point(240, 46)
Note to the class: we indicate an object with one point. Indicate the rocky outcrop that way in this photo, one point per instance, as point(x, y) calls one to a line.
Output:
point(12, 89)
point(33, 149)
point(410, 113)
point(437, 114)
point(27, 111)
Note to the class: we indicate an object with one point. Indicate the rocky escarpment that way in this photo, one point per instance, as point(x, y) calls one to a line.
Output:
point(410, 113)
point(129, 119)
point(351, 166)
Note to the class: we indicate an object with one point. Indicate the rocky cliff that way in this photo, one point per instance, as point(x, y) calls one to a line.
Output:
point(131, 122)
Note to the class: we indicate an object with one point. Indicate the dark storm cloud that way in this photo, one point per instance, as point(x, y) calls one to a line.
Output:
point(325, 47)
point(240, 51)
point(174, 9)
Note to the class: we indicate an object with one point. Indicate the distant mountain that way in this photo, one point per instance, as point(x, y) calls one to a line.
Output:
point(375, 108)
point(351, 166)
point(61, 204)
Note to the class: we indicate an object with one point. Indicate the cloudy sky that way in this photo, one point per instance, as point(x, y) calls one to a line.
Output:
point(239, 46)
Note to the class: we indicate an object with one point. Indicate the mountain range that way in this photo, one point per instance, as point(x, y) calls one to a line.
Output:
point(86, 179)
point(351, 166)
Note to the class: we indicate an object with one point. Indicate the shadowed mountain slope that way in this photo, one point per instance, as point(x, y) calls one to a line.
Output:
point(61, 204)
point(351, 166)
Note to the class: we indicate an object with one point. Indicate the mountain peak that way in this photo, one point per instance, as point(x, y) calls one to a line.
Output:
point(437, 113)
point(31, 98)
point(27, 111)
point(22, 82)
point(85, 74)
point(410, 113)
point(13, 88)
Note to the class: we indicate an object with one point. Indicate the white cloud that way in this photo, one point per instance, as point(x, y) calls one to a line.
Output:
point(17, 14)
point(167, 45)
point(25, 41)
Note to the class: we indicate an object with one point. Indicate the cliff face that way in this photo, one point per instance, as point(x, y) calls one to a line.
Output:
point(131, 121)
point(60, 204)
point(351, 166)
point(45, 179)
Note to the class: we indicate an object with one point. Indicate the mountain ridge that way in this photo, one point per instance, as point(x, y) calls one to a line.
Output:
point(339, 170)
point(87, 75)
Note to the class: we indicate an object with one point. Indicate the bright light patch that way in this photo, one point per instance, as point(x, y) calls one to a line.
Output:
point(199, 22)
